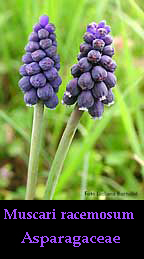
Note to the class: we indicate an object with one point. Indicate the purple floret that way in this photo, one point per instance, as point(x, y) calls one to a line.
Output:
point(38, 55)
point(57, 66)
point(108, 40)
point(50, 28)
point(52, 102)
point(108, 63)
point(99, 73)
point(96, 111)
point(46, 63)
point(94, 56)
point(75, 71)
point(45, 92)
point(85, 81)
point(30, 97)
point(52, 36)
point(85, 100)
point(38, 80)
point(56, 82)
point(32, 46)
point(69, 100)
point(72, 88)
point(46, 43)
point(33, 36)
point(43, 34)
point(85, 48)
point(51, 51)
point(100, 91)
point(88, 37)
point(32, 68)
point(92, 28)
point(43, 20)
point(109, 99)
point(22, 70)
point(111, 80)
point(84, 65)
point(56, 58)
point(108, 50)
point(37, 27)
point(24, 83)
point(98, 44)
point(27, 58)
point(51, 74)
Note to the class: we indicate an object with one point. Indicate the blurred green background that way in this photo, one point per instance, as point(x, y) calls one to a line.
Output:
point(106, 155)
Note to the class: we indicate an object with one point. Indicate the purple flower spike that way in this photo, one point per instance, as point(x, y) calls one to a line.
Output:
point(94, 72)
point(40, 79)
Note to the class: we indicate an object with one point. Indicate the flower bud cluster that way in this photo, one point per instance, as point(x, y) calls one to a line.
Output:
point(40, 79)
point(93, 75)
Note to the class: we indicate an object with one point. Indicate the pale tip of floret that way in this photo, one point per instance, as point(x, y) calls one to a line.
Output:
point(68, 94)
point(109, 104)
point(28, 105)
point(83, 109)
point(103, 98)
point(62, 102)
point(97, 118)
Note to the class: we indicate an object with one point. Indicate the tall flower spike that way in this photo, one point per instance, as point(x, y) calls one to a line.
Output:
point(40, 79)
point(94, 72)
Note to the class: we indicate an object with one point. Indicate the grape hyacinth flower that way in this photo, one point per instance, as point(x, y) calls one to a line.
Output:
point(40, 82)
point(94, 72)
point(90, 88)
point(40, 79)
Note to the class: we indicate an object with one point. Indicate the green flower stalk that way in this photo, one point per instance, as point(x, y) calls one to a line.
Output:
point(62, 152)
point(34, 150)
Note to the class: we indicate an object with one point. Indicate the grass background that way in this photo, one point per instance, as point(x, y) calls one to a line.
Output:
point(106, 155)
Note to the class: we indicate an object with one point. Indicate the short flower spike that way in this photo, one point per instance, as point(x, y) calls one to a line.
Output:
point(93, 75)
point(40, 79)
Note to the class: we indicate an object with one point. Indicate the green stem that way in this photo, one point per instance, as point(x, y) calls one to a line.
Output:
point(34, 151)
point(61, 153)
